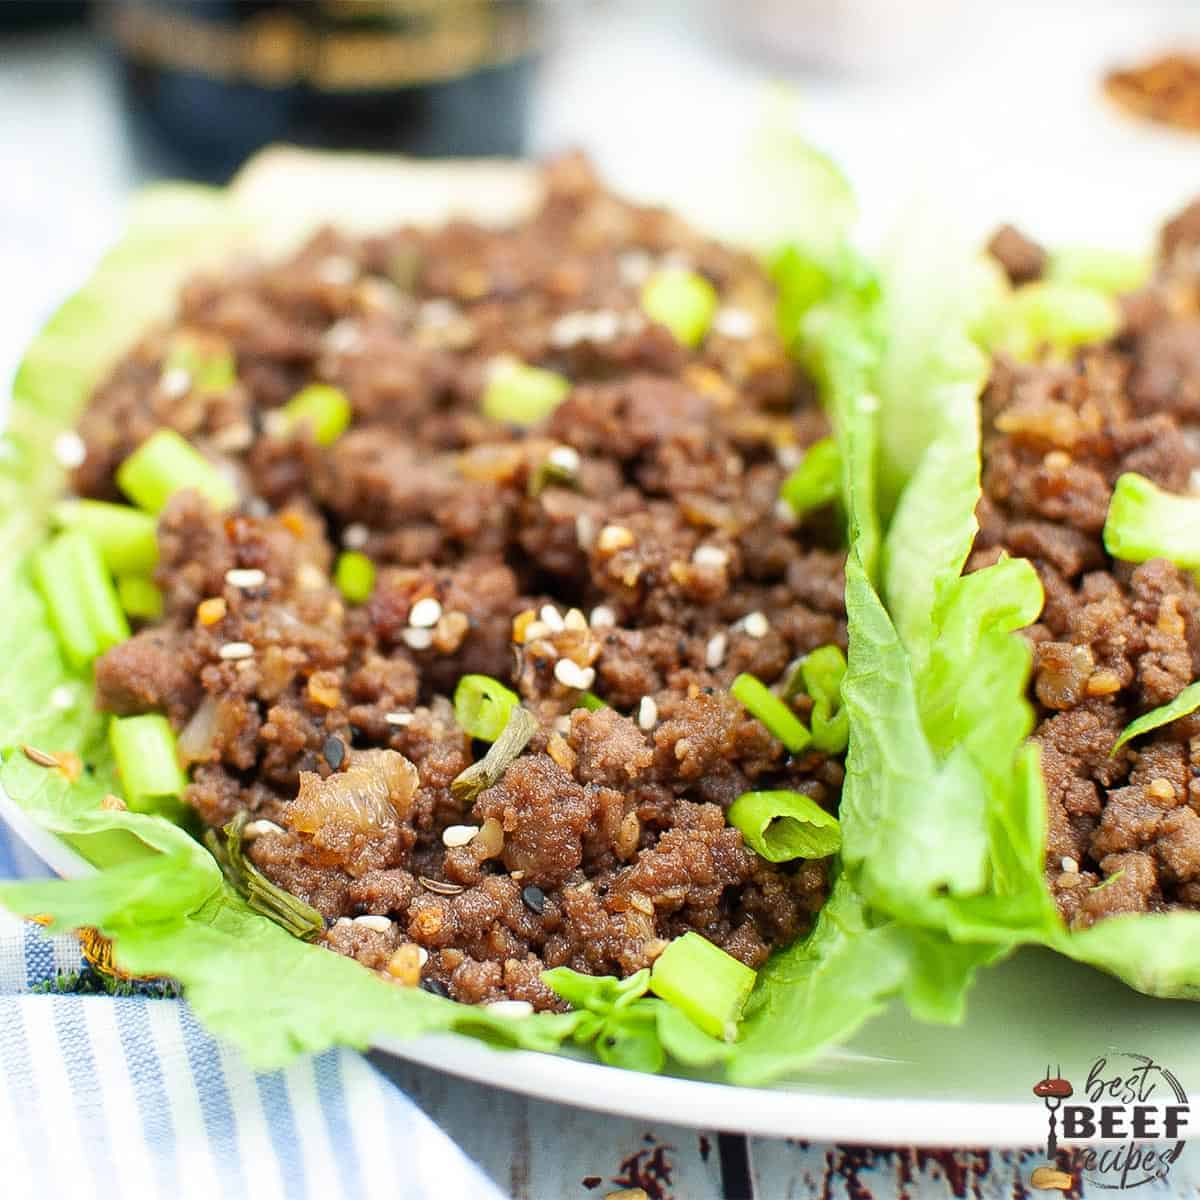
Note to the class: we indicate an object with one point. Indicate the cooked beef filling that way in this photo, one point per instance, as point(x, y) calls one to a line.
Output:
point(1114, 639)
point(630, 545)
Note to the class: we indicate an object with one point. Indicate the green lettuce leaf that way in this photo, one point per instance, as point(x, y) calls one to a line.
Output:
point(1145, 522)
point(1185, 703)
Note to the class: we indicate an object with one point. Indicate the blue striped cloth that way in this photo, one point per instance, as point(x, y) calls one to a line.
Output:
point(119, 1097)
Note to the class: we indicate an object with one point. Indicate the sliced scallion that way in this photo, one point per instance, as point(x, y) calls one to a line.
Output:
point(165, 464)
point(590, 701)
point(208, 362)
point(354, 575)
point(140, 597)
point(482, 705)
point(124, 536)
point(684, 301)
point(823, 671)
point(322, 409)
point(519, 394)
point(762, 703)
point(816, 481)
point(504, 751)
point(707, 985)
point(783, 825)
point(144, 750)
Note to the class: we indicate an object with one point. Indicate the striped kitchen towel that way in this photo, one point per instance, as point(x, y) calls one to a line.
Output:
point(126, 1096)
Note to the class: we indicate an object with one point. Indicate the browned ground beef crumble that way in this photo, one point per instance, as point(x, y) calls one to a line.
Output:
point(1114, 639)
point(607, 836)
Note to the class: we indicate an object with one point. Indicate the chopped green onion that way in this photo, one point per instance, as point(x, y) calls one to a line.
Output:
point(683, 301)
point(823, 671)
point(208, 362)
point(518, 394)
point(83, 606)
point(1056, 316)
point(298, 918)
point(816, 481)
point(354, 576)
point(322, 409)
point(140, 597)
point(482, 705)
point(1183, 705)
point(1111, 271)
point(590, 701)
point(707, 985)
point(513, 739)
point(165, 464)
point(762, 703)
point(144, 750)
point(124, 536)
point(784, 825)
point(1146, 522)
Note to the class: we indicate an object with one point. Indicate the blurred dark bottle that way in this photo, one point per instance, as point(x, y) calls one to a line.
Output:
point(207, 82)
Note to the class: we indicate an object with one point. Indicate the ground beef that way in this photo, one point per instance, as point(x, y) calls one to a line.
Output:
point(1114, 639)
point(650, 570)
point(1023, 260)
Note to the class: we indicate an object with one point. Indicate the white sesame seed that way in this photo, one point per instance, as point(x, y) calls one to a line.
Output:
point(510, 1008)
point(568, 330)
point(69, 449)
point(710, 556)
point(233, 438)
point(785, 514)
point(1194, 480)
point(175, 382)
point(378, 924)
point(570, 674)
point(422, 956)
point(564, 458)
point(1069, 866)
point(418, 639)
point(255, 506)
point(756, 625)
point(245, 577)
point(552, 618)
point(338, 269)
point(399, 719)
point(275, 423)
point(789, 457)
point(563, 725)
point(615, 537)
point(585, 531)
point(426, 613)
point(536, 630)
point(343, 921)
point(354, 536)
point(603, 325)
point(714, 652)
point(575, 620)
point(634, 266)
point(603, 617)
point(235, 650)
point(258, 828)
point(62, 697)
point(458, 835)
point(310, 577)
point(734, 323)
point(343, 337)
point(437, 312)
point(647, 713)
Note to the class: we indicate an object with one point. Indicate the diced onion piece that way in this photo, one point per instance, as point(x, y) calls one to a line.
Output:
point(368, 797)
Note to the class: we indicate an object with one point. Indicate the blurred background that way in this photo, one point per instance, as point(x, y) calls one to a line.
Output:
point(989, 111)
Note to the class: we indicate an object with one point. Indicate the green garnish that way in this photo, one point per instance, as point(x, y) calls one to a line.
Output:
point(707, 985)
point(817, 481)
point(165, 464)
point(822, 673)
point(210, 366)
point(140, 597)
point(684, 301)
point(518, 394)
point(1185, 703)
point(762, 703)
point(80, 598)
point(780, 826)
point(322, 409)
point(1111, 271)
point(354, 575)
point(124, 536)
point(482, 705)
point(485, 773)
point(590, 701)
point(151, 777)
point(1145, 522)
point(1058, 316)
point(298, 918)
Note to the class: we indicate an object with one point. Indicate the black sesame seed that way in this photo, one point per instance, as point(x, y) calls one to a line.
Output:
point(334, 751)
point(437, 987)
point(534, 898)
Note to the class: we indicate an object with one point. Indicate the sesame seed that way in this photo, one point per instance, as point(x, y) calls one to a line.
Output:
point(422, 956)
point(714, 652)
point(62, 697)
point(575, 620)
point(735, 323)
point(552, 618)
point(257, 828)
point(233, 438)
point(354, 536)
point(563, 725)
point(789, 457)
point(437, 312)
point(338, 269)
point(614, 538)
point(378, 924)
point(634, 266)
point(585, 531)
point(603, 617)
point(69, 449)
point(399, 719)
point(343, 336)
point(310, 577)
point(275, 424)
point(570, 674)
point(418, 639)
point(604, 325)
point(756, 625)
point(1069, 866)
point(710, 556)
point(334, 751)
point(343, 921)
point(175, 382)
point(1194, 480)
point(565, 458)
point(536, 630)
point(510, 1008)
point(568, 330)
point(426, 613)
point(647, 713)
point(785, 514)
point(458, 835)
point(235, 650)
point(245, 577)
